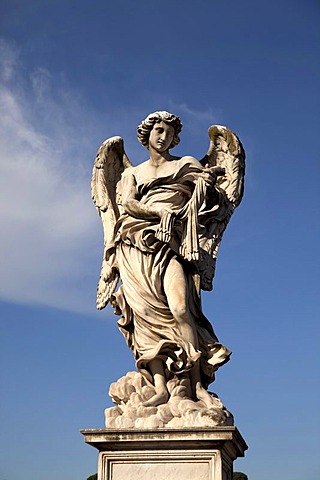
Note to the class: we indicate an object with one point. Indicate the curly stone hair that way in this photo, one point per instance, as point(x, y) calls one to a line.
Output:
point(147, 125)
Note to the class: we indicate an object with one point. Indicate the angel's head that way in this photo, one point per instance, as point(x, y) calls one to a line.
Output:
point(146, 126)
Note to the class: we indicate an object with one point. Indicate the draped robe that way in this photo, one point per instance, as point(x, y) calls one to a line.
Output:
point(142, 257)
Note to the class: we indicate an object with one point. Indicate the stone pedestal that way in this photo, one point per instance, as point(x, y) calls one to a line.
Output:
point(167, 454)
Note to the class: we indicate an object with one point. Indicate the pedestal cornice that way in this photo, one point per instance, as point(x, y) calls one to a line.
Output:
point(163, 439)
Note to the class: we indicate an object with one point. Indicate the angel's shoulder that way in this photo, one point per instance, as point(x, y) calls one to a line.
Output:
point(129, 173)
point(142, 171)
point(189, 159)
point(134, 174)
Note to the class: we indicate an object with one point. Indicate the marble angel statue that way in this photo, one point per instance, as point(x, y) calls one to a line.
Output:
point(163, 222)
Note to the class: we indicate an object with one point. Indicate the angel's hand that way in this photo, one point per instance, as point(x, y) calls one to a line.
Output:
point(165, 229)
point(217, 170)
point(210, 174)
point(163, 212)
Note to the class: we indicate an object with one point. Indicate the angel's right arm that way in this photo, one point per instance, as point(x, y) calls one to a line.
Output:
point(130, 204)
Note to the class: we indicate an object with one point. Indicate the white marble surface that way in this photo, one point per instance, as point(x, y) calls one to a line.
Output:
point(164, 454)
point(163, 222)
point(171, 469)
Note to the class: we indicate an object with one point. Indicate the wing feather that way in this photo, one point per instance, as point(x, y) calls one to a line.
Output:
point(110, 162)
point(225, 151)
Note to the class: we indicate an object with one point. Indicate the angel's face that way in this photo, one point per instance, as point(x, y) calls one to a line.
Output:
point(161, 137)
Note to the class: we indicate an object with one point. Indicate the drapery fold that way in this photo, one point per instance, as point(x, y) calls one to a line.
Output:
point(144, 249)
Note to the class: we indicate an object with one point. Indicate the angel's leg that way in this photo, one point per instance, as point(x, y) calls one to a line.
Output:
point(200, 392)
point(175, 287)
point(160, 384)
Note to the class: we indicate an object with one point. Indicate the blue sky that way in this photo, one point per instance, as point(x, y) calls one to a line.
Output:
point(76, 72)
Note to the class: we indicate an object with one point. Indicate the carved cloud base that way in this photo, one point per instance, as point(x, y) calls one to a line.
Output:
point(167, 454)
point(132, 391)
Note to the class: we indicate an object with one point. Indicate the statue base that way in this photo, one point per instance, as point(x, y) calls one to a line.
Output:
point(167, 454)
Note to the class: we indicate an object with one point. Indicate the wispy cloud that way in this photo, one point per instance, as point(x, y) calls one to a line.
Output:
point(207, 116)
point(49, 239)
point(9, 58)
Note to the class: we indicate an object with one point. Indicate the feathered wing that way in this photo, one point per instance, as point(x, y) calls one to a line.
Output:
point(227, 152)
point(110, 162)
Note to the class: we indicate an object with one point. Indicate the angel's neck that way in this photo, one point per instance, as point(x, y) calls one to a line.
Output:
point(157, 158)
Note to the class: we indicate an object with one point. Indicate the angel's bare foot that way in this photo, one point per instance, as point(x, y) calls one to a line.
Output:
point(158, 399)
point(203, 395)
